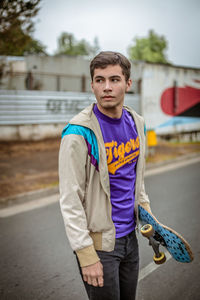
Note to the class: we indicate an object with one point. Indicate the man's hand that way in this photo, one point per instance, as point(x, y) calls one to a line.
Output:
point(93, 274)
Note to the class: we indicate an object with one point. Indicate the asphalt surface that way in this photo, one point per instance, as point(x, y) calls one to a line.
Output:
point(36, 261)
point(175, 201)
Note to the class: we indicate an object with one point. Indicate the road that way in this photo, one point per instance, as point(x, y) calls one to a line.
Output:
point(37, 262)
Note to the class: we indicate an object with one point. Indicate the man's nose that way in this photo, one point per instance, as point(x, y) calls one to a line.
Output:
point(107, 86)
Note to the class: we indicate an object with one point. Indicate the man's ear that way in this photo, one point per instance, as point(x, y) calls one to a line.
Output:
point(92, 88)
point(128, 85)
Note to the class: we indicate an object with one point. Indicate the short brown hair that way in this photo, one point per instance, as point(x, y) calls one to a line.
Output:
point(105, 58)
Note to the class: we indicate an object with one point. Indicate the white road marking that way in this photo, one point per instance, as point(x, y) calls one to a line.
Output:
point(144, 272)
point(171, 166)
point(30, 205)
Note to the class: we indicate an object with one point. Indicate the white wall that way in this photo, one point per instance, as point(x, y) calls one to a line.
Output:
point(157, 78)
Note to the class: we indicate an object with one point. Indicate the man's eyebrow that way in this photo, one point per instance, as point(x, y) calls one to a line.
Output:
point(112, 76)
point(115, 76)
point(98, 76)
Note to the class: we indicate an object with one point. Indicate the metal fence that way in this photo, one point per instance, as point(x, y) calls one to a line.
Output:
point(43, 107)
point(41, 81)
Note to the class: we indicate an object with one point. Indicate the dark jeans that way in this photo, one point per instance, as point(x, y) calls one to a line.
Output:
point(120, 269)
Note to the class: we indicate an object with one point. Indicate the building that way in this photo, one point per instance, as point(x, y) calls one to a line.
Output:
point(167, 96)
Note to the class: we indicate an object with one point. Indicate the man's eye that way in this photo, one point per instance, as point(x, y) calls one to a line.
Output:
point(99, 80)
point(115, 79)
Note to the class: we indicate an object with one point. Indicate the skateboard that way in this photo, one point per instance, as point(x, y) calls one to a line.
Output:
point(159, 234)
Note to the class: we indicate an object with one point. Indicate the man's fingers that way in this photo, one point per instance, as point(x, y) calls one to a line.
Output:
point(93, 274)
point(89, 280)
point(94, 281)
point(100, 281)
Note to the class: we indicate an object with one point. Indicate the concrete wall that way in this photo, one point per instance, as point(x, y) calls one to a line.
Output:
point(65, 69)
point(33, 132)
point(50, 73)
point(150, 81)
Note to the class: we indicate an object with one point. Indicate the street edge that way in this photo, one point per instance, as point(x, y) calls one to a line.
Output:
point(38, 194)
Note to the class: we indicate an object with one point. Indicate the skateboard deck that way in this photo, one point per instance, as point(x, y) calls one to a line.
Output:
point(177, 246)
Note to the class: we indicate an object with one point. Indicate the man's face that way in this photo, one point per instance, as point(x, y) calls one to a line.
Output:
point(109, 86)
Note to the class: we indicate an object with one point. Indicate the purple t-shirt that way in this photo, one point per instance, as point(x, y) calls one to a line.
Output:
point(122, 149)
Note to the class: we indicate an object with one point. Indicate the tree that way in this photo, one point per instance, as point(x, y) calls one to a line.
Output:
point(150, 49)
point(17, 27)
point(67, 44)
point(96, 47)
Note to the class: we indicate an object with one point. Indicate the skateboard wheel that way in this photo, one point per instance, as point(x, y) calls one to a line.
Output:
point(161, 259)
point(147, 230)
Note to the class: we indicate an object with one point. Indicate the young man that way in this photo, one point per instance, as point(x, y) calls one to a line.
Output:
point(101, 172)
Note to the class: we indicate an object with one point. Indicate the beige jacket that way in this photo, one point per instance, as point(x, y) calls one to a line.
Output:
point(85, 191)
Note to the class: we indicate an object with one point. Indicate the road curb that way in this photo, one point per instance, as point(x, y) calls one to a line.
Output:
point(29, 196)
point(170, 161)
point(38, 194)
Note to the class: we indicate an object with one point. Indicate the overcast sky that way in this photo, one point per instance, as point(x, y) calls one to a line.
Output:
point(117, 22)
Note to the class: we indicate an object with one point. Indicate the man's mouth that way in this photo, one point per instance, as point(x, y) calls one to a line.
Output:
point(107, 97)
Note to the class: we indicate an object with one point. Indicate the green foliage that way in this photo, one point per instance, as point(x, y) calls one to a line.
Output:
point(16, 27)
point(67, 44)
point(150, 49)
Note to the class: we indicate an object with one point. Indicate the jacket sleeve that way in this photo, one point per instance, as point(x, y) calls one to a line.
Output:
point(72, 183)
point(143, 197)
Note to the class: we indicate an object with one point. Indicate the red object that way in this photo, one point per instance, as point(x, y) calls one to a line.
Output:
point(177, 101)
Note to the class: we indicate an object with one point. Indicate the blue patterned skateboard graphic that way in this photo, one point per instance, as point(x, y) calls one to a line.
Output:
point(175, 244)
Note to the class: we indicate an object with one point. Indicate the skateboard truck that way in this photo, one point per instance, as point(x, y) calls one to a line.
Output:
point(154, 241)
point(159, 234)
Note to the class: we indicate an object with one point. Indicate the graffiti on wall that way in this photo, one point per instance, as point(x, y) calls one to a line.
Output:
point(181, 101)
point(56, 106)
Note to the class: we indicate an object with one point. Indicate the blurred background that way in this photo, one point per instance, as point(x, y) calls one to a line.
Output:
point(45, 51)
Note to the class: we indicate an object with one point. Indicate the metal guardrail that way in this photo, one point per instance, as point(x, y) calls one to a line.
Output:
point(41, 107)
